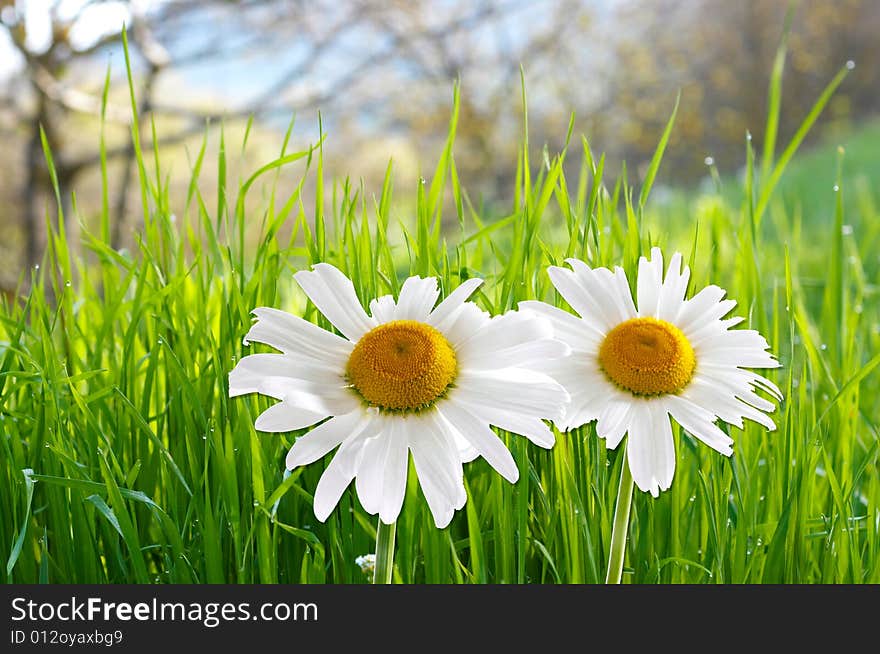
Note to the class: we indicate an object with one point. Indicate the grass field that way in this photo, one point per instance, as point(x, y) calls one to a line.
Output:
point(124, 461)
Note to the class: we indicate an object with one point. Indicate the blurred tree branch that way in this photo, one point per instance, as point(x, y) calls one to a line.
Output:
point(384, 68)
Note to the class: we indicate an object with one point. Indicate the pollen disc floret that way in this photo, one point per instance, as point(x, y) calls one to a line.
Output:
point(402, 365)
point(647, 356)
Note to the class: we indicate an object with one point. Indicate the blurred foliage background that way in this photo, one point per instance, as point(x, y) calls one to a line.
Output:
point(380, 73)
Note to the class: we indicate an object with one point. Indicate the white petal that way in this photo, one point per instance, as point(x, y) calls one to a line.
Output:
point(532, 428)
point(381, 471)
point(435, 438)
point(664, 453)
point(738, 382)
point(527, 355)
point(445, 312)
point(383, 308)
point(463, 323)
point(286, 416)
point(509, 329)
point(578, 334)
point(333, 483)
point(723, 403)
point(293, 335)
point(708, 320)
point(734, 356)
point(721, 396)
point(744, 339)
point(368, 481)
point(481, 437)
point(323, 438)
point(587, 296)
point(761, 382)
point(639, 448)
point(650, 448)
point(417, 298)
point(326, 394)
point(674, 287)
point(613, 423)
point(334, 295)
point(590, 392)
point(466, 451)
point(699, 423)
point(441, 510)
point(610, 290)
point(438, 468)
point(511, 389)
point(698, 306)
point(269, 373)
point(515, 339)
point(394, 472)
point(649, 282)
point(340, 472)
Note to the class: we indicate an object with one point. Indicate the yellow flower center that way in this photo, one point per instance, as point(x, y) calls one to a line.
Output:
point(647, 356)
point(402, 365)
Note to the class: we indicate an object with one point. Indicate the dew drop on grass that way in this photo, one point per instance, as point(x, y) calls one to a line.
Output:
point(858, 308)
point(692, 498)
point(709, 161)
point(67, 284)
point(823, 347)
point(37, 267)
point(850, 64)
point(847, 230)
point(835, 188)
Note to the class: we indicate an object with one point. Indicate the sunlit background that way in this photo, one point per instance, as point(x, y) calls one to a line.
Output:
point(381, 74)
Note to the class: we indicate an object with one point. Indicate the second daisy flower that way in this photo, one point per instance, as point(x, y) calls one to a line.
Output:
point(632, 368)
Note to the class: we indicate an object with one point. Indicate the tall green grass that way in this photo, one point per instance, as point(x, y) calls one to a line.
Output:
point(124, 460)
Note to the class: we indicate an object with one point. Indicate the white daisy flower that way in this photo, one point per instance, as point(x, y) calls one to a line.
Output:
point(631, 368)
point(409, 378)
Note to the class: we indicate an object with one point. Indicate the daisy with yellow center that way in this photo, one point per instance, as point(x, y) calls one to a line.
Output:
point(630, 368)
point(410, 378)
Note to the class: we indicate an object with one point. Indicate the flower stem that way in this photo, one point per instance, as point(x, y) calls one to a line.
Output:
point(621, 524)
point(384, 553)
